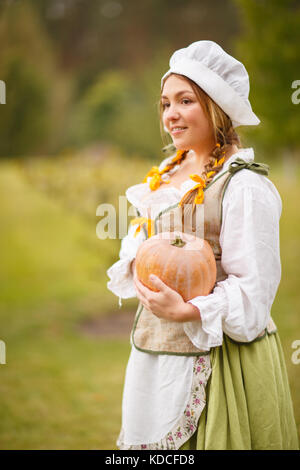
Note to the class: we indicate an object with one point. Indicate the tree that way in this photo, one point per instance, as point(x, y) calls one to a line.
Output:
point(269, 48)
point(31, 118)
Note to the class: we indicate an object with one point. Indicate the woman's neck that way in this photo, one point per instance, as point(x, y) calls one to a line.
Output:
point(201, 158)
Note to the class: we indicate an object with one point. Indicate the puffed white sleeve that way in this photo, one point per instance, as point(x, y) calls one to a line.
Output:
point(240, 305)
point(121, 278)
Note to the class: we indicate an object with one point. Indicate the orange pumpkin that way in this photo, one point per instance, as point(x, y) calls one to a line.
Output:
point(184, 262)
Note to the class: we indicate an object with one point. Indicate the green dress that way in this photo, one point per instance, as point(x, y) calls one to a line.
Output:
point(248, 400)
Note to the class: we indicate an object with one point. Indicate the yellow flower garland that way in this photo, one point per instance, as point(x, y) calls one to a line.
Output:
point(156, 174)
point(156, 181)
point(199, 198)
point(141, 221)
point(154, 184)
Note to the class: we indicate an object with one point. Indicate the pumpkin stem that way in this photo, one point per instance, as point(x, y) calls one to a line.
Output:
point(178, 242)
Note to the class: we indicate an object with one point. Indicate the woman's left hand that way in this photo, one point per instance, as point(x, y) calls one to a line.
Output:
point(166, 303)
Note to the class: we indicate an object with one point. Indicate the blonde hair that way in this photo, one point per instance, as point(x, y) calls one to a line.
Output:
point(223, 130)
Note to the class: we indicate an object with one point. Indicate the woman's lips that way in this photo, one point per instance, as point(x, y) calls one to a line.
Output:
point(178, 131)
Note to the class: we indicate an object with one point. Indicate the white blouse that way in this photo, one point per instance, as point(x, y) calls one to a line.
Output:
point(239, 306)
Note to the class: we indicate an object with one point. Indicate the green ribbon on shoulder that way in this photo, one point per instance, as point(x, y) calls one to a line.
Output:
point(240, 164)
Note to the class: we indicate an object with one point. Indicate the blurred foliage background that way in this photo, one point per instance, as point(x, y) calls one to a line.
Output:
point(79, 126)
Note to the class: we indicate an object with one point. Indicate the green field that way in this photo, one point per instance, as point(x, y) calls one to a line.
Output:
point(61, 388)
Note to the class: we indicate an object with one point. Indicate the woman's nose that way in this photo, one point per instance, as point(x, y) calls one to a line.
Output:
point(172, 113)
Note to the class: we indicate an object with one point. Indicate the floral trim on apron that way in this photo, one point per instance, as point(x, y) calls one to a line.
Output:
point(188, 422)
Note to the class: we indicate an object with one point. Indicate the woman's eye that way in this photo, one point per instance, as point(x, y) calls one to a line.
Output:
point(185, 101)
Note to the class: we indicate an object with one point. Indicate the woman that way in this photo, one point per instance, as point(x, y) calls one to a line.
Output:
point(208, 373)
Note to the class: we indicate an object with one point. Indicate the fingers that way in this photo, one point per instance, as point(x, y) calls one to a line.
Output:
point(140, 290)
point(158, 283)
point(147, 296)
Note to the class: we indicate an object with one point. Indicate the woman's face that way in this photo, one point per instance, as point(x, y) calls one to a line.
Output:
point(183, 115)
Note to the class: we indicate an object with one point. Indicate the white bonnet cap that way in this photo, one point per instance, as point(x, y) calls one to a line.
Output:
point(220, 75)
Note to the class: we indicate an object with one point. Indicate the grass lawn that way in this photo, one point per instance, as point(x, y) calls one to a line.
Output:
point(56, 392)
point(60, 388)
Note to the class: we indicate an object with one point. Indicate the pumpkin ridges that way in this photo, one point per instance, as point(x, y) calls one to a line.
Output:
point(181, 285)
point(206, 273)
point(144, 273)
point(188, 284)
point(178, 276)
point(190, 270)
point(197, 276)
point(169, 261)
point(158, 271)
point(211, 272)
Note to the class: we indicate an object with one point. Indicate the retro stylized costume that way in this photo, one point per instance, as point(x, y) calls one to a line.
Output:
point(218, 383)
